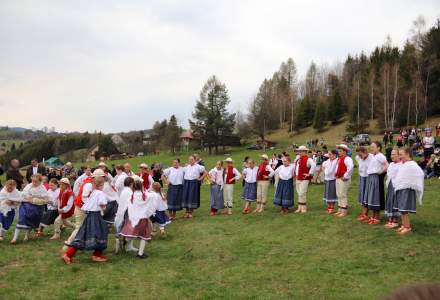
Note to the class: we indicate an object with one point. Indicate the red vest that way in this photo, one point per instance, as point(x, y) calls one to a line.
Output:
point(262, 172)
point(342, 168)
point(62, 202)
point(230, 175)
point(303, 169)
point(146, 182)
point(79, 198)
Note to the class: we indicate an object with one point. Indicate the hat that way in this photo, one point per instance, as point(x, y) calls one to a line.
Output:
point(264, 156)
point(65, 181)
point(102, 164)
point(143, 165)
point(69, 164)
point(327, 155)
point(228, 160)
point(137, 178)
point(343, 146)
point(302, 148)
point(98, 173)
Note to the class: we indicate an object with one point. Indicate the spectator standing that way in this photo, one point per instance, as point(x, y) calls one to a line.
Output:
point(35, 168)
point(14, 173)
point(428, 144)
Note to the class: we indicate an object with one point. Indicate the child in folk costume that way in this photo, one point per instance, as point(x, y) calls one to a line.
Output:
point(375, 193)
point(363, 159)
point(217, 184)
point(140, 208)
point(93, 233)
point(160, 216)
point(409, 187)
point(112, 201)
point(65, 208)
point(284, 193)
point(194, 174)
point(390, 202)
point(304, 171)
point(329, 169)
point(250, 185)
point(32, 207)
point(174, 177)
point(231, 175)
point(119, 179)
point(344, 170)
point(122, 214)
point(264, 174)
point(147, 179)
point(51, 213)
point(9, 199)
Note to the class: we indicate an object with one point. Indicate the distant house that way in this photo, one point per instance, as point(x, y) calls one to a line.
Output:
point(185, 139)
point(91, 153)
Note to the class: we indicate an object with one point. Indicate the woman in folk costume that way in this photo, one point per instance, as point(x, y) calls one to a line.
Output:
point(264, 174)
point(122, 215)
point(250, 185)
point(140, 208)
point(304, 171)
point(363, 159)
point(119, 179)
point(231, 175)
point(375, 192)
point(344, 170)
point(32, 208)
point(93, 233)
point(10, 197)
point(160, 216)
point(409, 187)
point(329, 169)
point(84, 193)
point(392, 213)
point(217, 184)
point(194, 174)
point(65, 208)
point(51, 213)
point(112, 201)
point(284, 193)
point(174, 177)
point(147, 179)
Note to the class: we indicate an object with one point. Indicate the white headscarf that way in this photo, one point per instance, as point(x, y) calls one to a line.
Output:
point(15, 196)
point(140, 206)
point(410, 176)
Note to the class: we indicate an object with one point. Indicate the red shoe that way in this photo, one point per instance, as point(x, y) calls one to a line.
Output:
point(362, 217)
point(330, 211)
point(99, 258)
point(373, 221)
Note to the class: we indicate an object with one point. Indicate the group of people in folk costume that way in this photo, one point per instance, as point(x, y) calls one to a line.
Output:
point(134, 203)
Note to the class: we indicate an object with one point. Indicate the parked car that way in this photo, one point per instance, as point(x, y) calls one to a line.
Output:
point(254, 147)
point(362, 139)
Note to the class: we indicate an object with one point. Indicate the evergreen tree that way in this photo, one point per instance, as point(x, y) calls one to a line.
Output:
point(319, 120)
point(172, 137)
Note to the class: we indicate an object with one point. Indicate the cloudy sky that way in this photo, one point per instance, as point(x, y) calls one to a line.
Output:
point(121, 65)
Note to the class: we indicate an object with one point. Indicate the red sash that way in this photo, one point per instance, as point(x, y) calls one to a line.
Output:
point(342, 168)
point(303, 169)
point(262, 172)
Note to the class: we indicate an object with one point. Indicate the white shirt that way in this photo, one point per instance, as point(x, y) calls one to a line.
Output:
point(216, 176)
point(285, 173)
point(94, 202)
point(268, 169)
point(174, 175)
point(428, 142)
point(161, 202)
point(376, 164)
point(53, 196)
point(111, 192)
point(310, 163)
point(392, 171)
point(330, 167)
point(119, 183)
point(193, 172)
point(235, 172)
point(87, 190)
point(78, 182)
point(250, 175)
point(350, 166)
point(363, 164)
point(34, 170)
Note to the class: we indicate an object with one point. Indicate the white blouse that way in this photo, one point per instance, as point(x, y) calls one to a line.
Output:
point(330, 167)
point(193, 172)
point(376, 164)
point(250, 175)
point(216, 176)
point(53, 196)
point(363, 164)
point(392, 171)
point(161, 202)
point(285, 173)
point(111, 192)
point(94, 202)
point(174, 175)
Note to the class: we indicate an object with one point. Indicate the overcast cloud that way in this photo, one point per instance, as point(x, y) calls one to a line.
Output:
point(121, 65)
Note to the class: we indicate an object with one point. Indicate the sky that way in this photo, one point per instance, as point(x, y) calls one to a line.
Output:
point(115, 66)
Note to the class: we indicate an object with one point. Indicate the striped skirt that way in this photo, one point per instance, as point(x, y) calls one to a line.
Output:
point(191, 194)
point(330, 191)
point(390, 203)
point(406, 201)
point(250, 192)
point(362, 188)
point(217, 196)
point(174, 197)
point(374, 192)
point(284, 193)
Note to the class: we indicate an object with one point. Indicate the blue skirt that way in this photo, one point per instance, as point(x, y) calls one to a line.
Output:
point(250, 192)
point(110, 212)
point(93, 233)
point(191, 194)
point(7, 220)
point(161, 218)
point(217, 197)
point(406, 201)
point(374, 192)
point(29, 215)
point(284, 193)
point(390, 211)
point(330, 191)
point(362, 188)
point(174, 197)
point(49, 217)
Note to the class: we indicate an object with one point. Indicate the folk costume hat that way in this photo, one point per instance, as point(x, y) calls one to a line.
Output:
point(302, 148)
point(98, 173)
point(143, 166)
point(228, 160)
point(343, 147)
point(264, 156)
point(65, 181)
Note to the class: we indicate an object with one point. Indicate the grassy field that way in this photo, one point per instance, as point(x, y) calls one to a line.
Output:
point(309, 256)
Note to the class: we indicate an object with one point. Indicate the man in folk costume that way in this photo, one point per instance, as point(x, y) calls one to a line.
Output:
point(264, 174)
point(343, 174)
point(147, 179)
point(231, 175)
point(65, 208)
point(304, 171)
point(80, 180)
